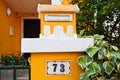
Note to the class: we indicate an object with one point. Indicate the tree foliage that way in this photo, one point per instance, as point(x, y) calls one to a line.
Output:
point(100, 17)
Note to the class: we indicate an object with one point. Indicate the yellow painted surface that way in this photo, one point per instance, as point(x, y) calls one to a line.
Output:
point(39, 65)
point(66, 2)
point(9, 44)
point(29, 15)
point(64, 24)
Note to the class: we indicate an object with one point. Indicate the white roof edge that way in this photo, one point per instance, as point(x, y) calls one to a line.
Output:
point(50, 8)
point(55, 45)
point(78, 9)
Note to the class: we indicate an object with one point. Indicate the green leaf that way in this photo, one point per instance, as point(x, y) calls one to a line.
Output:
point(96, 67)
point(104, 43)
point(97, 36)
point(101, 78)
point(89, 72)
point(115, 48)
point(114, 78)
point(93, 77)
point(109, 56)
point(84, 61)
point(116, 54)
point(83, 76)
point(82, 32)
point(102, 53)
point(92, 51)
point(108, 67)
point(92, 69)
point(118, 66)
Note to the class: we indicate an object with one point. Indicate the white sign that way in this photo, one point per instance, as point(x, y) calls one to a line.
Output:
point(58, 17)
point(58, 67)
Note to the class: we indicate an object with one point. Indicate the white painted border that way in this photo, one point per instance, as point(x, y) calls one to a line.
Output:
point(56, 45)
point(58, 17)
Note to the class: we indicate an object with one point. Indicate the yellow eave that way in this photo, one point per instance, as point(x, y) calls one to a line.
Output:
point(56, 8)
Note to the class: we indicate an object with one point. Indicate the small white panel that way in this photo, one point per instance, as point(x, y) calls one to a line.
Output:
point(58, 67)
point(58, 32)
point(70, 31)
point(11, 31)
point(56, 2)
point(46, 31)
point(58, 17)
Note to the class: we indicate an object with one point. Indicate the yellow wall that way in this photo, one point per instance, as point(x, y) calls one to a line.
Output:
point(38, 65)
point(27, 15)
point(66, 2)
point(64, 24)
point(9, 44)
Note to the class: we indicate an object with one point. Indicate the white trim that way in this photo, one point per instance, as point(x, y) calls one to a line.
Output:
point(78, 9)
point(56, 45)
point(56, 8)
point(52, 36)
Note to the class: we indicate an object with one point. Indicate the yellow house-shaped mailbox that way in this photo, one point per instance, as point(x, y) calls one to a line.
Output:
point(54, 53)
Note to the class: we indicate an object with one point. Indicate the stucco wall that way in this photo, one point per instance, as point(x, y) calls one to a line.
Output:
point(9, 44)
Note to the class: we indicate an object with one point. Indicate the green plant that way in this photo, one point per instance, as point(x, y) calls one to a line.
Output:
point(101, 62)
point(7, 60)
point(13, 60)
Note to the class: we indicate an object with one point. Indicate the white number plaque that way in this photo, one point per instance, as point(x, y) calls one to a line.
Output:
point(58, 67)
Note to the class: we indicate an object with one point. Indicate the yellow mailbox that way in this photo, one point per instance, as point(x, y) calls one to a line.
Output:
point(54, 53)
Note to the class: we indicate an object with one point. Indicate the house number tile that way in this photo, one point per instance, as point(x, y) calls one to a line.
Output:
point(58, 67)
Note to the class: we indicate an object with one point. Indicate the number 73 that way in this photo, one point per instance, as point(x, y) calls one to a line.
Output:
point(62, 67)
